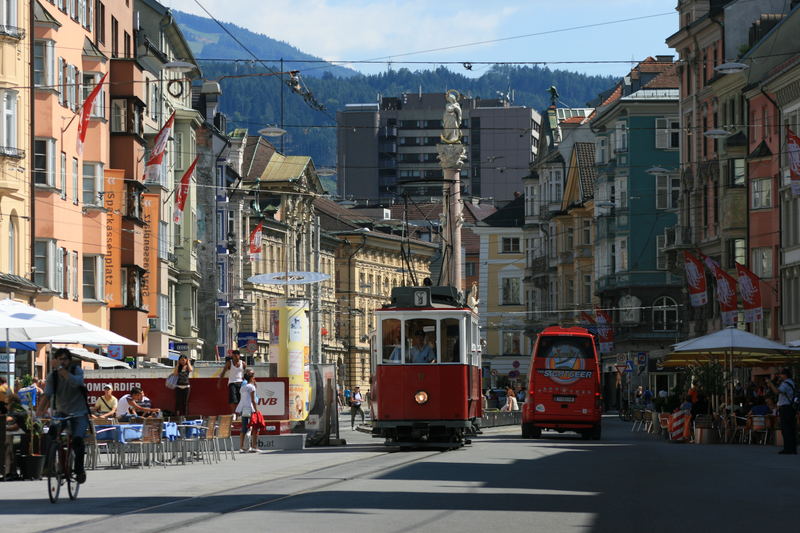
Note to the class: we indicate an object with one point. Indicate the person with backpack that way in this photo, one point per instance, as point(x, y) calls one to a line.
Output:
point(787, 392)
point(67, 394)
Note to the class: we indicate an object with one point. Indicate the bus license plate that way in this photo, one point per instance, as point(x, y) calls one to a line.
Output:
point(565, 398)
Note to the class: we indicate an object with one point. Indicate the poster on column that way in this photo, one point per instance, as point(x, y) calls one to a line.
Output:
point(292, 361)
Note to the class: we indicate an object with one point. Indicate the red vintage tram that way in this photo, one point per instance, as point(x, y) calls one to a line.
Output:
point(426, 369)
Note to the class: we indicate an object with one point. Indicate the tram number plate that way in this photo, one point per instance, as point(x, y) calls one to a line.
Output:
point(565, 398)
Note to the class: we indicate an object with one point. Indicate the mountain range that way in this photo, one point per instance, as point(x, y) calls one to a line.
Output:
point(252, 100)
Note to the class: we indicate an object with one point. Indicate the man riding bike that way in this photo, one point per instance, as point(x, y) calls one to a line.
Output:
point(67, 394)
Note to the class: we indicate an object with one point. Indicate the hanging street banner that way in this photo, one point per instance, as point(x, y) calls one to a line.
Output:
point(605, 331)
point(152, 169)
point(255, 242)
point(726, 292)
point(86, 110)
point(695, 279)
point(182, 192)
point(114, 203)
point(750, 289)
point(151, 214)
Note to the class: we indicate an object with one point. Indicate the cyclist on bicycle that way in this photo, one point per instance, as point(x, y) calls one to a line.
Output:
point(66, 391)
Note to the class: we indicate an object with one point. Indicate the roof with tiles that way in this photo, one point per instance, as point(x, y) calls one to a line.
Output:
point(257, 153)
point(666, 80)
point(512, 215)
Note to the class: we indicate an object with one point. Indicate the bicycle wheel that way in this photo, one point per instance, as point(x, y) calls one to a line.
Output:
point(54, 472)
point(72, 483)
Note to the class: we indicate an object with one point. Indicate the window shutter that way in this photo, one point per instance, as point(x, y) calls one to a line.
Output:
point(662, 133)
point(58, 274)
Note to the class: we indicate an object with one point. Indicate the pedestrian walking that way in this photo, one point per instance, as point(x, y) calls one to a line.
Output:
point(234, 367)
point(347, 395)
point(355, 407)
point(785, 391)
point(183, 370)
point(246, 407)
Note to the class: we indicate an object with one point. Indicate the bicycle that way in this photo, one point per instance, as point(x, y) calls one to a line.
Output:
point(61, 461)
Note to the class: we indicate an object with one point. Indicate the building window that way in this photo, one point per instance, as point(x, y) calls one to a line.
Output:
point(661, 257)
point(736, 172)
point(762, 193)
point(737, 252)
point(587, 288)
point(92, 183)
point(621, 137)
point(665, 314)
point(119, 116)
point(587, 231)
point(12, 246)
point(44, 160)
point(100, 22)
point(163, 240)
point(668, 191)
point(178, 145)
point(511, 291)
point(511, 344)
point(133, 197)
point(510, 245)
point(470, 269)
point(668, 132)
point(762, 262)
point(42, 257)
point(63, 176)
point(75, 180)
point(8, 126)
point(92, 280)
point(43, 62)
point(99, 104)
point(132, 287)
point(114, 37)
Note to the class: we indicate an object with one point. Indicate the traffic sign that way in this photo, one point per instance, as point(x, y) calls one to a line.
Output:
point(621, 369)
point(641, 358)
point(629, 364)
point(251, 346)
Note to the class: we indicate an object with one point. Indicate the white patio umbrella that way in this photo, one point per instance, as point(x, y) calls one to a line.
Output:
point(90, 334)
point(729, 344)
point(22, 323)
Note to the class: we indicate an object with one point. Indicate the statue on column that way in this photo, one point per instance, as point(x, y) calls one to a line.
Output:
point(451, 120)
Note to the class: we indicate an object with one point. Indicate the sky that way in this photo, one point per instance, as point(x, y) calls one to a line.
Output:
point(420, 34)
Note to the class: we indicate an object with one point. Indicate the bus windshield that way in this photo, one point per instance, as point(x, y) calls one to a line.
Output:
point(564, 348)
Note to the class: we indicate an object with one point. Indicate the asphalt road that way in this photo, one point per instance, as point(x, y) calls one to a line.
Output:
point(626, 482)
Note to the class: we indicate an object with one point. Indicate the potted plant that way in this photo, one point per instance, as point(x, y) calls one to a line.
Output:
point(32, 464)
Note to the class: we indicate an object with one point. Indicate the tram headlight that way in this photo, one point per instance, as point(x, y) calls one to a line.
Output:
point(421, 397)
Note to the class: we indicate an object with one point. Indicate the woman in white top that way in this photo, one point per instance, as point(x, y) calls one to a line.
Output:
point(511, 401)
point(235, 369)
point(245, 408)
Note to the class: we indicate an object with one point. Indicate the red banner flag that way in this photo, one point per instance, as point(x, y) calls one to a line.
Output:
point(696, 279)
point(86, 110)
point(183, 192)
point(793, 157)
point(726, 292)
point(255, 242)
point(605, 331)
point(152, 169)
point(750, 289)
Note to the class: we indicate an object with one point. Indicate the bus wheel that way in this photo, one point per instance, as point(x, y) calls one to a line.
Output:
point(596, 432)
point(529, 431)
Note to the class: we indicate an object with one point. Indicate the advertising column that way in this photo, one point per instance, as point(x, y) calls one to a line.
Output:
point(293, 361)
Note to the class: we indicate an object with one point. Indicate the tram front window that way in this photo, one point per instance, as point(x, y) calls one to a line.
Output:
point(421, 341)
point(392, 347)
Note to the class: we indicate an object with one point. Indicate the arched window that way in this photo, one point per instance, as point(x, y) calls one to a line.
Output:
point(12, 246)
point(665, 314)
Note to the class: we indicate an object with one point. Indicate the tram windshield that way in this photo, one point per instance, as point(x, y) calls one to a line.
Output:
point(421, 340)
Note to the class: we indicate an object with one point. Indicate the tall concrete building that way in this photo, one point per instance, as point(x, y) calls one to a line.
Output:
point(388, 148)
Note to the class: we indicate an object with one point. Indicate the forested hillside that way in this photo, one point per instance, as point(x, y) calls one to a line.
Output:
point(255, 101)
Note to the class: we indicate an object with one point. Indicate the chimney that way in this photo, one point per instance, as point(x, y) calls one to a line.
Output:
point(665, 59)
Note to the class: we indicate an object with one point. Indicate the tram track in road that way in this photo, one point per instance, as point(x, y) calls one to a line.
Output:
point(203, 508)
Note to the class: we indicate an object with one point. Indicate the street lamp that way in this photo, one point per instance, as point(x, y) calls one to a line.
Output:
point(656, 170)
point(716, 133)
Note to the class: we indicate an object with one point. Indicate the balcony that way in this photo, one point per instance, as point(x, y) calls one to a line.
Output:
point(12, 31)
point(10, 151)
point(565, 258)
point(677, 237)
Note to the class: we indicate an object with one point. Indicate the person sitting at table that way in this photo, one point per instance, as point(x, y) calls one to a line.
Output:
point(773, 407)
point(106, 405)
point(147, 404)
point(760, 408)
point(130, 405)
point(687, 404)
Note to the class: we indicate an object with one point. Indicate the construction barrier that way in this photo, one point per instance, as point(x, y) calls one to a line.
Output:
point(679, 426)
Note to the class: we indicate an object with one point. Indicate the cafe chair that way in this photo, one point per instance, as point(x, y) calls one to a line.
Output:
point(758, 425)
point(224, 433)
